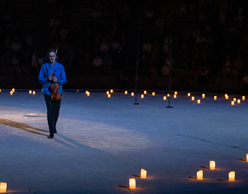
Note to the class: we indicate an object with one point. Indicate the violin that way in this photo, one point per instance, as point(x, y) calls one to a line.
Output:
point(55, 95)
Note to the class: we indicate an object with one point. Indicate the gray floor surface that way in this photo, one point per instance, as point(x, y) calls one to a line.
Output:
point(102, 142)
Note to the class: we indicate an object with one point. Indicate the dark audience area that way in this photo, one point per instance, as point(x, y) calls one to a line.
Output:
point(97, 42)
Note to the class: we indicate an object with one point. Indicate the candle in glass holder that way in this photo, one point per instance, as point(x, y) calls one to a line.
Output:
point(153, 93)
point(88, 94)
point(111, 91)
point(175, 96)
point(132, 93)
point(231, 176)
point(126, 92)
point(192, 98)
point(243, 97)
point(109, 95)
point(234, 99)
point(107, 92)
point(203, 95)
point(145, 92)
point(143, 173)
point(132, 183)
point(189, 94)
point(215, 97)
point(238, 101)
point(198, 101)
point(246, 157)
point(232, 103)
point(175, 92)
point(164, 98)
point(33, 92)
point(3, 187)
point(168, 95)
point(30, 92)
point(0, 90)
point(199, 175)
point(86, 91)
point(142, 96)
point(11, 92)
point(212, 165)
point(227, 97)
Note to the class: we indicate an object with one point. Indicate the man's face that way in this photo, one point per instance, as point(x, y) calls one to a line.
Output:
point(52, 57)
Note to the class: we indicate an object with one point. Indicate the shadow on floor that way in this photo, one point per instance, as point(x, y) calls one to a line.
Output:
point(22, 126)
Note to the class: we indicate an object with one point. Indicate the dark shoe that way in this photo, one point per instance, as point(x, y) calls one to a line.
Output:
point(50, 136)
point(55, 131)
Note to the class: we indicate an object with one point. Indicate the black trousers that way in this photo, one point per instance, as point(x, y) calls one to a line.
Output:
point(53, 107)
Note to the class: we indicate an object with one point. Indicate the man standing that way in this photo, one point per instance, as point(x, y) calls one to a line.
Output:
point(52, 72)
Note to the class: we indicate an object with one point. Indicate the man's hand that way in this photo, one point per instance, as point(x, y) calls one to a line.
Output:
point(50, 78)
point(55, 79)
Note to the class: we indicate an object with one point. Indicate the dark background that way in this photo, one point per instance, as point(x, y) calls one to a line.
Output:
point(210, 44)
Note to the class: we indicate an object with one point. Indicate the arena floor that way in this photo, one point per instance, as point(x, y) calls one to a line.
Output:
point(102, 142)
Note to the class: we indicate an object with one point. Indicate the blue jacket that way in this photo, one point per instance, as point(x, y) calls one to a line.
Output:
point(48, 69)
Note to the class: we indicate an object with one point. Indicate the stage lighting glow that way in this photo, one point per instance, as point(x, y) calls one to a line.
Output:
point(231, 176)
point(199, 175)
point(3, 187)
point(143, 173)
point(212, 165)
point(132, 183)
